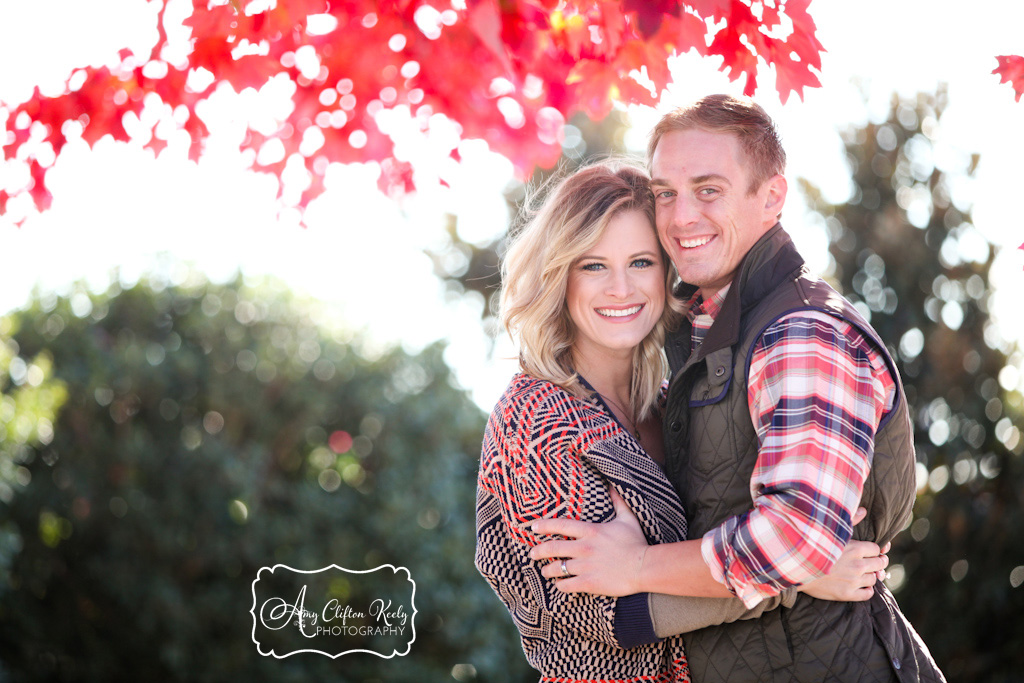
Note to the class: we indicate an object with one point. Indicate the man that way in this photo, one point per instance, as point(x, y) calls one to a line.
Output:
point(785, 411)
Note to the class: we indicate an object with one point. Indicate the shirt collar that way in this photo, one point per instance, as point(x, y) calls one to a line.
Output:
point(698, 306)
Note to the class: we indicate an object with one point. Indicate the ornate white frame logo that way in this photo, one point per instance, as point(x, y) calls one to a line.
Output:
point(381, 617)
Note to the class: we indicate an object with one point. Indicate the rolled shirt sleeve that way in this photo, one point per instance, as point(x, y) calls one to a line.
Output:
point(817, 390)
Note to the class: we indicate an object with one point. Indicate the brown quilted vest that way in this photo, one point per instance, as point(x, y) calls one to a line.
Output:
point(711, 449)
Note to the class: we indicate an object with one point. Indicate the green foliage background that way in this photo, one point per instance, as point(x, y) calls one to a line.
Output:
point(178, 441)
point(905, 250)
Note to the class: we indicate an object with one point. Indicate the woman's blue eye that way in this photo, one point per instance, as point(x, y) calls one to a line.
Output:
point(591, 266)
point(643, 263)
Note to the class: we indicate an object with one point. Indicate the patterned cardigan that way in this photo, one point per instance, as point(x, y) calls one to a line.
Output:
point(549, 454)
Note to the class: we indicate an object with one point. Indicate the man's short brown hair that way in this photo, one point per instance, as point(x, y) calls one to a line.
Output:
point(742, 117)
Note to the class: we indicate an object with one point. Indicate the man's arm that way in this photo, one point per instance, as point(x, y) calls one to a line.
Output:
point(817, 391)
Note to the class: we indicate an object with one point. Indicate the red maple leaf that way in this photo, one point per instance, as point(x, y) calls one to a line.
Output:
point(650, 13)
point(738, 59)
point(40, 194)
point(804, 40)
point(485, 23)
point(1011, 69)
point(715, 9)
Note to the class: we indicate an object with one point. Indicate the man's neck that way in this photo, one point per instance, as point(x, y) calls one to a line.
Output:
point(708, 294)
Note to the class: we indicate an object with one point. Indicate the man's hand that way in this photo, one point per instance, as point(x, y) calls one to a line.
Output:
point(605, 559)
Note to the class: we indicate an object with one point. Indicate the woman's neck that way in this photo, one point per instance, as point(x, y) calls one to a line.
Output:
point(610, 377)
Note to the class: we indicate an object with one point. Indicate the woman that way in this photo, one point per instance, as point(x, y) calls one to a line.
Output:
point(585, 287)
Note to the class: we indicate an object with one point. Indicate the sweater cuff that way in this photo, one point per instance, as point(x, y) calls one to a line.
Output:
point(633, 623)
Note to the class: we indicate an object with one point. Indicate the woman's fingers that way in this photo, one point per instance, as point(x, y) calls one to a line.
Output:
point(622, 508)
point(859, 516)
point(570, 528)
point(553, 549)
point(880, 573)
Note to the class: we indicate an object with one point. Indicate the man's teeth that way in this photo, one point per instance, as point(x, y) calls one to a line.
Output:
point(696, 242)
point(621, 313)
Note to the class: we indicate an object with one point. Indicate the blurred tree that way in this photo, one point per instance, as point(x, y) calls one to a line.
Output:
point(905, 250)
point(352, 68)
point(158, 445)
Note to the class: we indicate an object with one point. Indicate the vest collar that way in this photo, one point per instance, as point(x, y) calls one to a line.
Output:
point(772, 261)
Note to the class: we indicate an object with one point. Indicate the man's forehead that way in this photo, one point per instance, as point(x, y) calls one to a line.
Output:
point(688, 159)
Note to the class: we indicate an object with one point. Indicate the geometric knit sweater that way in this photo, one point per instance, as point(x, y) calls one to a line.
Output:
point(547, 453)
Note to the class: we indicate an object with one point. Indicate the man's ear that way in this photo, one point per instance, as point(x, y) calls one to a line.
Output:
point(775, 198)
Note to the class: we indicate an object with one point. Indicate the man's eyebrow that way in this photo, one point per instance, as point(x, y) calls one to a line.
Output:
point(695, 180)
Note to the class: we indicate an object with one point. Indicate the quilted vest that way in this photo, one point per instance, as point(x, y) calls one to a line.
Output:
point(711, 448)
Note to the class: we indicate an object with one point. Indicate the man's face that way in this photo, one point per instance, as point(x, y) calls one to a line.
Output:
point(707, 221)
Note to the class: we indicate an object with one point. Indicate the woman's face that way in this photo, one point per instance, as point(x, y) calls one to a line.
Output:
point(616, 291)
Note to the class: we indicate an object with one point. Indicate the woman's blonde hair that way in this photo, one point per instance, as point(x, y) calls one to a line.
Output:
point(535, 273)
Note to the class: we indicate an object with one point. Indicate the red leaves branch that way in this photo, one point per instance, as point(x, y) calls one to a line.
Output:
point(1011, 70)
point(509, 71)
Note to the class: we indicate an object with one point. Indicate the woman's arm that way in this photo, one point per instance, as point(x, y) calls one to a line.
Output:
point(675, 614)
point(613, 558)
point(851, 579)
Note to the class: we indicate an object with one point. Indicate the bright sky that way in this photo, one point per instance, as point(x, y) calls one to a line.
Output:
point(116, 206)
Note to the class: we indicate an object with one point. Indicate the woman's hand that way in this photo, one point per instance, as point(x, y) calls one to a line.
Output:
point(854, 574)
point(605, 558)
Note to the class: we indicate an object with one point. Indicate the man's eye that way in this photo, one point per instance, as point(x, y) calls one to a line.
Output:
point(707, 191)
point(664, 194)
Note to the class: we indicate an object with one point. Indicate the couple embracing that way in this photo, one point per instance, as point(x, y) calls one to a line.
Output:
point(724, 525)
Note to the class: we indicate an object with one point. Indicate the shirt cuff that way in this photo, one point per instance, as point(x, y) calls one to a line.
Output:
point(725, 570)
point(633, 623)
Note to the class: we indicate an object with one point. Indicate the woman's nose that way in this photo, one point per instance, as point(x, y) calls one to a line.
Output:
point(619, 283)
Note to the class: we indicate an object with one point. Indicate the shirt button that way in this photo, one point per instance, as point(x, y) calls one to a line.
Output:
point(720, 371)
point(896, 663)
point(676, 426)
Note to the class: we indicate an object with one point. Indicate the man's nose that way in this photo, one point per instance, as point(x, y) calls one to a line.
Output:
point(684, 211)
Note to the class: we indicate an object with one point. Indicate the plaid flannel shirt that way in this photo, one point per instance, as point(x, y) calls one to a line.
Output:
point(817, 391)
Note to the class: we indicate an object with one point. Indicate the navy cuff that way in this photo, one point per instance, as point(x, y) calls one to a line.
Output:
point(633, 623)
